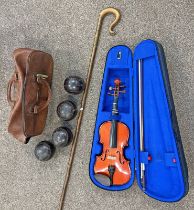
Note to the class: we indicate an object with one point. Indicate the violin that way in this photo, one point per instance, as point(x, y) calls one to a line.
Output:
point(114, 137)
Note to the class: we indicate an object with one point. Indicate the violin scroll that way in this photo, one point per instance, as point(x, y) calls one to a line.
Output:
point(119, 88)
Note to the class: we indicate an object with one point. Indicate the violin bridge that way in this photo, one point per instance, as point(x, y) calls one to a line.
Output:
point(110, 157)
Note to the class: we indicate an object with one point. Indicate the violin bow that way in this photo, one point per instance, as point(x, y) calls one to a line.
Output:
point(141, 119)
point(102, 15)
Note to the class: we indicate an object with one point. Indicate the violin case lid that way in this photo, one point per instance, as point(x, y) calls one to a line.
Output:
point(166, 174)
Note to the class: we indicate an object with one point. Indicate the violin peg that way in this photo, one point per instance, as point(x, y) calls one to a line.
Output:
point(110, 94)
point(112, 88)
point(122, 91)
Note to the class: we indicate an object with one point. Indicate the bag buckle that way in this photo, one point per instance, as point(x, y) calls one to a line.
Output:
point(35, 109)
point(41, 76)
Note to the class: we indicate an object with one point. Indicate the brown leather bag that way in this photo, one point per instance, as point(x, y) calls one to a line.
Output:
point(29, 93)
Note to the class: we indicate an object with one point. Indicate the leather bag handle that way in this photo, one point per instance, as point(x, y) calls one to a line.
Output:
point(9, 88)
point(41, 80)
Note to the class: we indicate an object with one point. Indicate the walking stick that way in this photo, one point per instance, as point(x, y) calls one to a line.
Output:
point(103, 14)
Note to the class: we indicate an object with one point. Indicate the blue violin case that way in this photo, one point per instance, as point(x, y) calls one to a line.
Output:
point(166, 174)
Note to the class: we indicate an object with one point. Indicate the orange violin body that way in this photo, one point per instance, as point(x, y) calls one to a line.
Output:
point(114, 136)
point(113, 156)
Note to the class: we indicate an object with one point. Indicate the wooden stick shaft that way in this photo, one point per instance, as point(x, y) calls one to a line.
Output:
point(84, 98)
point(80, 116)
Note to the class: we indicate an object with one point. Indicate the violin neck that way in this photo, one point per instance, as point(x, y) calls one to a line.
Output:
point(113, 132)
point(115, 106)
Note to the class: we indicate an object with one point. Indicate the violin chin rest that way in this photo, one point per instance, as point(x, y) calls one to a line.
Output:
point(102, 179)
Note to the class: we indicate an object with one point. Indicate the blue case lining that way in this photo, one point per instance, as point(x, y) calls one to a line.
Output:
point(122, 69)
point(166, 172)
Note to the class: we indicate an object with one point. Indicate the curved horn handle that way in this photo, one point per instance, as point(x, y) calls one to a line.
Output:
point(111, 10)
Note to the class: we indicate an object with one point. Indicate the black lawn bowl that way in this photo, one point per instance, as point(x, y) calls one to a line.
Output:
point(44, 150)
point(62, 137)
point(66, 110)
point(74, 84)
